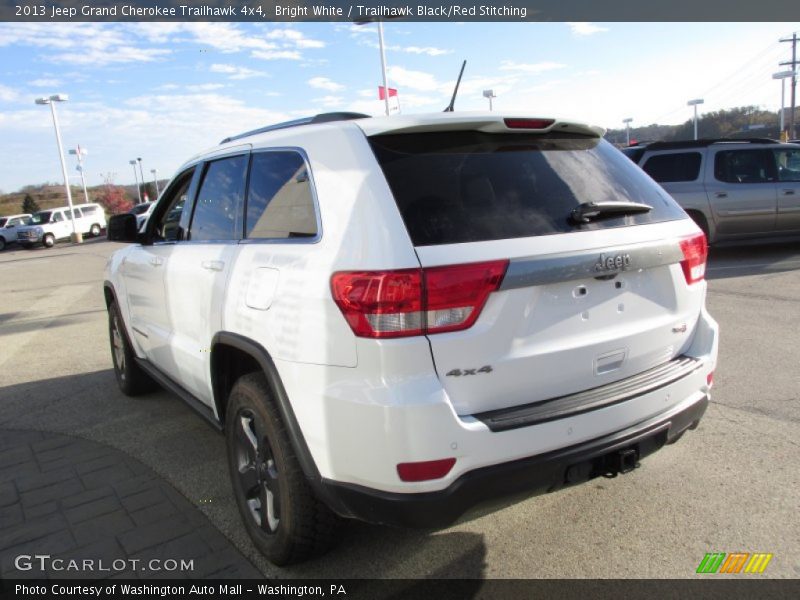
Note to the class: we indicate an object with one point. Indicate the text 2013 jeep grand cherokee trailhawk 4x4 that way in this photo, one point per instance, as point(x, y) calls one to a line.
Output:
point(397, 319)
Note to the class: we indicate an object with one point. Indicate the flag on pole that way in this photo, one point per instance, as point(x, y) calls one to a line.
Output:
point(382, 93)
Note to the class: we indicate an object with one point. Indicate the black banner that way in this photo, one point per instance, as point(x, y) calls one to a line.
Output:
point(411, 10)
point(397, 589)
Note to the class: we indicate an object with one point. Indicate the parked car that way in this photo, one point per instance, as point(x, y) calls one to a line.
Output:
point(142, 212)
point(401, 319)
point(733, 189)
point(8, 228)
point(46, 227)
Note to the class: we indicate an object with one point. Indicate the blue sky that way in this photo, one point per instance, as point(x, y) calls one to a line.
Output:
point(165, 91)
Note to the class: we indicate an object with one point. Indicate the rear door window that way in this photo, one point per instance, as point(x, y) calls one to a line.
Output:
point(468, 186)
point(744, 166)
point(280, 203)
point(674, 167)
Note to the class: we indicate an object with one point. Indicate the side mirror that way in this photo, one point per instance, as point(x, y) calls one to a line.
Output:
point(122, 228)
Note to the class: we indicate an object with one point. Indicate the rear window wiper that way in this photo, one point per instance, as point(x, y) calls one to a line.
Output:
point(589, 211)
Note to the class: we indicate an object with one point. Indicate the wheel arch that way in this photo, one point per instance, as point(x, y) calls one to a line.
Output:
point(233, 355)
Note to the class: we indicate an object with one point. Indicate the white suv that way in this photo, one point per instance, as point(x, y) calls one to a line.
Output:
point(8, 228)
point(49, 226)
point(397, 319)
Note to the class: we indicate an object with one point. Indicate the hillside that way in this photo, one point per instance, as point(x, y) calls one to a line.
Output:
point(52, 195)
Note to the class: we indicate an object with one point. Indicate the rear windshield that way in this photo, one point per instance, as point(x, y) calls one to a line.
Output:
point(467, 186)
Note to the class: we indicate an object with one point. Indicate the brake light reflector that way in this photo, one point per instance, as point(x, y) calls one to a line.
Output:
point(425, 471)
point(710, 379)
point(388, 304)
point(528, 123)
point(695, 254)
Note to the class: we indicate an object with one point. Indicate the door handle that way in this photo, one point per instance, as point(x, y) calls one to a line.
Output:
point(721, 194)
point(156, 261)
point(213, 265)
point(788, 192)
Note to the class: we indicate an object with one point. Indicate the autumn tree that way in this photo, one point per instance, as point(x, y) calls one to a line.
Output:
point(114, 199)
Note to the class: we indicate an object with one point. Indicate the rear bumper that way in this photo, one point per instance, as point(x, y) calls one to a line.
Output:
point(516, 479)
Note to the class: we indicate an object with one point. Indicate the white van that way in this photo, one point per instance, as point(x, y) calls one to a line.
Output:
point(48, 226)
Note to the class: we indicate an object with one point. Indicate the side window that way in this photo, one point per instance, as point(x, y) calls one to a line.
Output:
point(167, 229)
point(58, 217)
point(680, 166)
point(279, 200)
point(89, 210)
point(220, 200)
point(788, 164)
point(743, 166)
point(68, 213)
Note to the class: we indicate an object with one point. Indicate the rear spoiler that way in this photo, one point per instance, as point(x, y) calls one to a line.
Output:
point(485, 122)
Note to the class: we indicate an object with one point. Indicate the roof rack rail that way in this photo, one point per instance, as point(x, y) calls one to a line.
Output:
point(707, 142)
point(320, 118)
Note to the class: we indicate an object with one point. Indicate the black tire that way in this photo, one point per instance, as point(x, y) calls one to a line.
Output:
point(49, 240)
point(2, 243)
point(94, 231)
point(265, 472)
point(132, 380)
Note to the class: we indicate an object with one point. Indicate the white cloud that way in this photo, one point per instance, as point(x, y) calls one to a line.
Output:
point(330, 101)
point(8, 95)
point(276, 54)
point(235, 72)
point(204, 87)
point(292, 37)
point(323, 83)
point(415, 80)
point(45, 82)
point(585, 28)
point(429, 50)
point(530, 68)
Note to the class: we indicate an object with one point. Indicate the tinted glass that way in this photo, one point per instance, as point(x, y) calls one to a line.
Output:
point(41, 217)
point(634, 152)
point(469, 186)
point(788, 164)
point(680, 166)
point(58, 217)
point(168, 226)
point(279, 200)
point(744, 166)
point(219, 200)
point(89, 210)
point(68, 214)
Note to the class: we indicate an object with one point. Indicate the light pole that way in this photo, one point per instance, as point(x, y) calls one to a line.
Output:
point(489, 94)
point(155, 181)
point(141, 172)
point(783, 75)
point(80, 153)
point(136, 178)
point(76, 235)
point(364, 21)
point(627, 130)
point(695, 103)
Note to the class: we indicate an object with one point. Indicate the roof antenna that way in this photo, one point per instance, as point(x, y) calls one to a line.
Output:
point(451, 106)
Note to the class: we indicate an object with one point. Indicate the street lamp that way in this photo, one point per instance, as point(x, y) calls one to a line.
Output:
point(139, 160)
point(136, 178)
point(489, 94)
point(627, 130)
point(695, 103)
point(80, 153)
point(155, 181)
point(783, 75)
point(76, 235)
point(383, 57)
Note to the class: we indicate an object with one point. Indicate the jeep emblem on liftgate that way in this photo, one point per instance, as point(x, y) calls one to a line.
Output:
point(610, 263)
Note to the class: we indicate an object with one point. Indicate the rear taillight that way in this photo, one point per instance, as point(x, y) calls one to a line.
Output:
point(425, 471)
point(528, 123)
point(695, 253)
point(710, 379)
point(388, 304)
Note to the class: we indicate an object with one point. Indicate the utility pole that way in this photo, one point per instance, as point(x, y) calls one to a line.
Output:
point(793, 66)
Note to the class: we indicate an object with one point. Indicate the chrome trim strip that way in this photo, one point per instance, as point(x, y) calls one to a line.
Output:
point(555, 268)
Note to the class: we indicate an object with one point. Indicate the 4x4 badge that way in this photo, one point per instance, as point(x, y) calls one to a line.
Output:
point(610, 263)
point(475, 371)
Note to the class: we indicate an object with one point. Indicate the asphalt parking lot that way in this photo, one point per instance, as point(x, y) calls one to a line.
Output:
point(731, 485)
